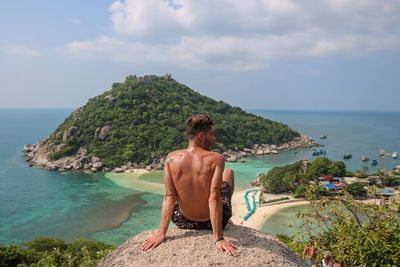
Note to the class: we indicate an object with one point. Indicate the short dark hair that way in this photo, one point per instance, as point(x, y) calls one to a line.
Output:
point(196, 124)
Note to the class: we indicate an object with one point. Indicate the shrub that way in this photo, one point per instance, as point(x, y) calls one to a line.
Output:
point(356, 233)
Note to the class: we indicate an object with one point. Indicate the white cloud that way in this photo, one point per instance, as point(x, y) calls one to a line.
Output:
point(243, 35)
point(19, 50)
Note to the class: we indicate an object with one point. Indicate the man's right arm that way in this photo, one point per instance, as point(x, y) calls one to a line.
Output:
point(215, 205)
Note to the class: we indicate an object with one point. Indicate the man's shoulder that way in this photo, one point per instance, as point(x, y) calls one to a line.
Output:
point(215, 155)
point(174, 154)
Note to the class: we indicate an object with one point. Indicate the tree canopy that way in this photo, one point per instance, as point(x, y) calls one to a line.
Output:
point(148, 115)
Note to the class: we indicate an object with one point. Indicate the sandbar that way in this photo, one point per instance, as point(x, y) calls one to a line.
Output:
point(130, 179)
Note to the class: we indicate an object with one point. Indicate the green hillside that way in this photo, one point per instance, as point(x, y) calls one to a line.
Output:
point(147, 114)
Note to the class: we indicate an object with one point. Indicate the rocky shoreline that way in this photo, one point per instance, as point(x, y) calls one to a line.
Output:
point(38, 156)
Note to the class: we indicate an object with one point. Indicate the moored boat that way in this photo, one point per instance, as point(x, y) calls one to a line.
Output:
point(374, 162)
point(347, 156)
point(395, 155)
point(323, 137)
point(364, 158)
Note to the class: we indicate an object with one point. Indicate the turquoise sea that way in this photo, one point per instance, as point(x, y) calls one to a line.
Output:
point(72, 205)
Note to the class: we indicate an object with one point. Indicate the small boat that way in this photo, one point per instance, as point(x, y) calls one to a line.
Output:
point(323, 137)
point(315, 153)
point(347, 156)
point(295, 152)
point(374, 162)
point(395, 155)
point(242, 160)
point(364, 158)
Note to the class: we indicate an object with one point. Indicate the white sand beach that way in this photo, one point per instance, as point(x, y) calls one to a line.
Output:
point(261, 214)
point(130, 179)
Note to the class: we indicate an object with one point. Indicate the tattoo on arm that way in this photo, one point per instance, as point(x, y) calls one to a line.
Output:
point(216, 188)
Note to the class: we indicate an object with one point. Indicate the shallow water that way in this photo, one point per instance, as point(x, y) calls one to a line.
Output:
point(38, 202)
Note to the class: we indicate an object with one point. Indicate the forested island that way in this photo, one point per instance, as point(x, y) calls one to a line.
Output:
point(139, 121)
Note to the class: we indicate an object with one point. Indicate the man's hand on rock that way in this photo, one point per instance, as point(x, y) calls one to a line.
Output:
point(152, 241)
point(229, 247)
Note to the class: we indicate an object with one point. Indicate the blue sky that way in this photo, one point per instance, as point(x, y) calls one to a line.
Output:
point(266, 54)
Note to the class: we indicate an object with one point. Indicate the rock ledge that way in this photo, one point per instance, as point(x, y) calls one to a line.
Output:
point(196, 248)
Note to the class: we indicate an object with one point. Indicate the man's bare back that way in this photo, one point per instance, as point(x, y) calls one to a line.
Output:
point(192, 171)
point(193, 176)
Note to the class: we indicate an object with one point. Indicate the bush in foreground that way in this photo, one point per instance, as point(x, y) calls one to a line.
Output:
point(46, 251)
point(356, 233)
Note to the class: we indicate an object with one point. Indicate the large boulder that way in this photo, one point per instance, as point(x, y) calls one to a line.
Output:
point(111, 100)
point(73, 131)
point(102, 131)
point(197, 248)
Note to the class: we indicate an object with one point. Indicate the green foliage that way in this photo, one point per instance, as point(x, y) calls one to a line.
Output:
point(356, 189)
point(282, 179)
point(323, 166)
point(287, 178)
point(349, 173)
point(356, 233)
point(45, 251)
point(300, 191)
point(150, 117)
point(295, 245)
point(11, 255)
point(390, 181)
point(42, 244)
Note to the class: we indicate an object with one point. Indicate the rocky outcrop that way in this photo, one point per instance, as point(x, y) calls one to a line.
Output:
point(167, 77)
point(102, 131)
point(264, 149)
point(76, 114)
point(38, 154)
point(111, 100)
point(197, 248)
point(145, 79)
point(73, 131)
point(257, 181)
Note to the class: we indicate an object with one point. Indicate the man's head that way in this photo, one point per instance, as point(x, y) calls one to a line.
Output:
point(200, 129)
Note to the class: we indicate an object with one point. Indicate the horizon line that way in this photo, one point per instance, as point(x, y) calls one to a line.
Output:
point(244, 108)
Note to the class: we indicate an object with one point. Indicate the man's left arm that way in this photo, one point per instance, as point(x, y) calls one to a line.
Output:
point(166, 214)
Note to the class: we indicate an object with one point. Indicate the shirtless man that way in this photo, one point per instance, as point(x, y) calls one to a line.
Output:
point(198, 189)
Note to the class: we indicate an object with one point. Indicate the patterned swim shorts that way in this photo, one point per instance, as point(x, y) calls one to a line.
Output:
point(184, 223)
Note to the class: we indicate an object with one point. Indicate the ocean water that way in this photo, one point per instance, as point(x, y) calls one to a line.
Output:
point(73, 205)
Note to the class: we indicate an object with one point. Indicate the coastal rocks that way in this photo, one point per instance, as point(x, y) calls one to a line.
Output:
point(28, 148)
point(102, 131)
point(232, 158)
point(81, 163)
point(197, 248)
point(73, 131)
point(38, 154)
point(111, 100)
point(257, 181)
point(117, 170)
point(265, 149)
